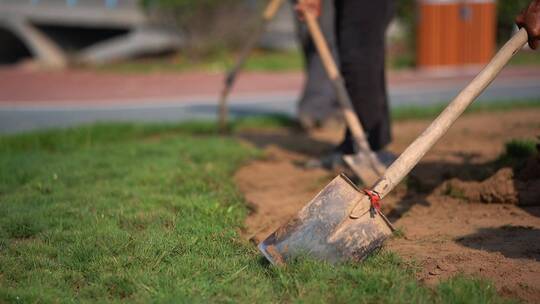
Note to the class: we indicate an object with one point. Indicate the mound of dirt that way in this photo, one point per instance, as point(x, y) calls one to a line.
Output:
point(504, 187)
point(444, 231)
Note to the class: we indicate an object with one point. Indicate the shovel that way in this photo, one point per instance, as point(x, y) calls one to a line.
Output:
point(364, 163)
point(344, 223)
point(223, 112)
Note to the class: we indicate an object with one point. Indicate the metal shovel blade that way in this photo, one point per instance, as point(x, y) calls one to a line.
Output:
point(366, 166)
point(324, 230)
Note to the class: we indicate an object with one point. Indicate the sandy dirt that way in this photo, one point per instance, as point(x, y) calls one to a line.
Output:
point(447, 230)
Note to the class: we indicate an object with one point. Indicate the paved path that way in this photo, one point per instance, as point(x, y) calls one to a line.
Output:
point(37, 100)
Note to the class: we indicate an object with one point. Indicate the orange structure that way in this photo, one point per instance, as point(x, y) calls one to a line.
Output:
point(455, 33)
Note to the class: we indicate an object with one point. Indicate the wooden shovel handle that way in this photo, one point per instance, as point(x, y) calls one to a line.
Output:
point(322, 47)
point(223, 110)
point(337, 80)
point(272, 9)
point(412, 155)
point(269, 13)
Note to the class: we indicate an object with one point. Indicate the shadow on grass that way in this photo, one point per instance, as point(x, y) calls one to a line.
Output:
point(102, 133)
point(293, 141)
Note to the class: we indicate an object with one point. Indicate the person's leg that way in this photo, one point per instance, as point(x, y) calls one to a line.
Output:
point(318, 102)
point(361, 28)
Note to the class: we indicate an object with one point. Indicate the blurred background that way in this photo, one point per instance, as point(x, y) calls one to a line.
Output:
point(64, 62)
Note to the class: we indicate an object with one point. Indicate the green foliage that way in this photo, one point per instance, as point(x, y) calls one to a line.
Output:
point(507, 10)
point(208, 26)
point(134, 213)
point(406, 12)
point(401, 54)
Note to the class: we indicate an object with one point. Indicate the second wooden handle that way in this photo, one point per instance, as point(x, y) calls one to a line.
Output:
point(272, 9)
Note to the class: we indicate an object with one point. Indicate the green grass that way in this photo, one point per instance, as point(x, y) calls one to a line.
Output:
point(266, 61)
point(112, 213)
point(529, 58)
point(516, 153)
point(275, 61)
point(258, 61)
point(432, 111)
point(406, 60)
point(520, 149)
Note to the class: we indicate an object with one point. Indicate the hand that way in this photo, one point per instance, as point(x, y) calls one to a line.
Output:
point(310, 6)
point(530, 20)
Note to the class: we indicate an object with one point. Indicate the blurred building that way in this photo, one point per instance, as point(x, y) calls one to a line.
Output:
point(94, 31)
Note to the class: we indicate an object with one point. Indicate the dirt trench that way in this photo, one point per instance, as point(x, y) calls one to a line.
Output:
point(444, 232)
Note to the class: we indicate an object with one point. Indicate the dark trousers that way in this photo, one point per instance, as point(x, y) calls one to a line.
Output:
point(360, 31)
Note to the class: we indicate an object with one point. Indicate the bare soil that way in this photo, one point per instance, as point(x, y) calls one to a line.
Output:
point(458, 211)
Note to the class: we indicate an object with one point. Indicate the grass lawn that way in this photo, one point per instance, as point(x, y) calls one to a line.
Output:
point(258, 61)
point(149, 213)
point(526, 58)
point(261, 61)
point(432, 111)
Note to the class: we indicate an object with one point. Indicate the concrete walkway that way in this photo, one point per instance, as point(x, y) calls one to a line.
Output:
point(32, 100)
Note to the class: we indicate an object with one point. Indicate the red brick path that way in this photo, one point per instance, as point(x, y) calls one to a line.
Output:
point(20, 87)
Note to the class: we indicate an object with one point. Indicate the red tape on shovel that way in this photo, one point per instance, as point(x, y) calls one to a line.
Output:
point(374, 198)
